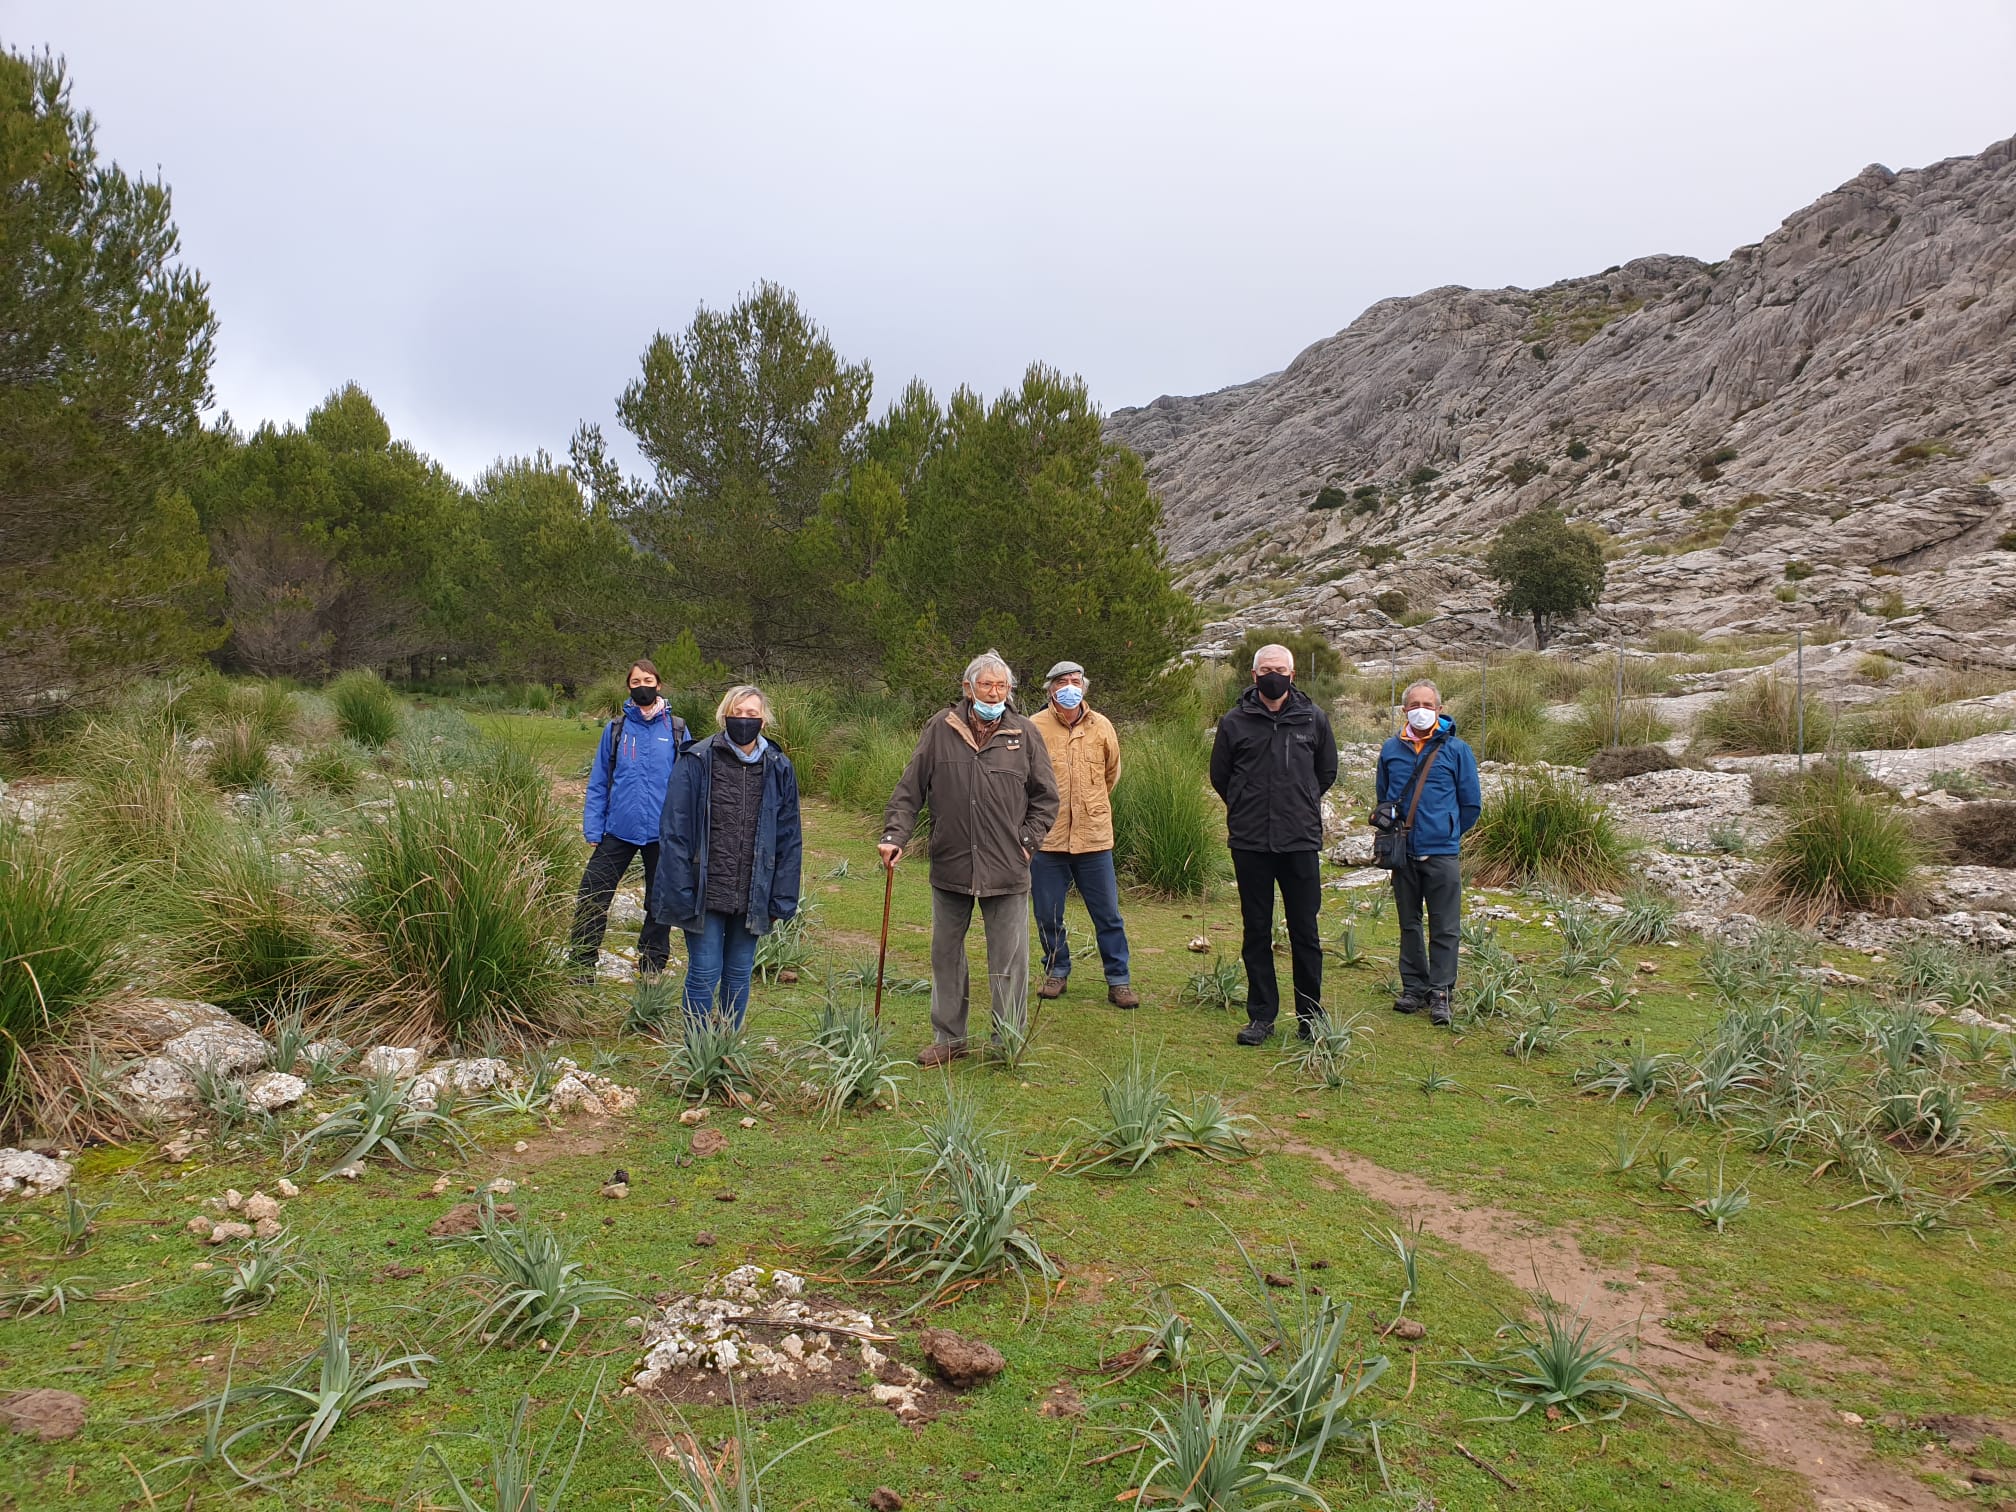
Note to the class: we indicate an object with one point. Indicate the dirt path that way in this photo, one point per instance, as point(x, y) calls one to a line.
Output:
point(1797, 1433)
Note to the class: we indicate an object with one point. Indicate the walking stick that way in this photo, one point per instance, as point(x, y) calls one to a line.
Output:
point(882, 959)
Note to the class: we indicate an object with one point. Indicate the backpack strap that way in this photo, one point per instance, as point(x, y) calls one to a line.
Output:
point(609, 737)
point(1421, 781)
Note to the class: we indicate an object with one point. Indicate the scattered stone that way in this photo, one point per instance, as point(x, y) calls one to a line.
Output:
point(960, 1361)
point(1405, 1328)
point(271, 1091)
point(287, 1188)
point(466, 1218)
point(705, 1240)
point(709, 1142)
point(693, 1116)
point(441, 1184)
point(503, 1186)
point(520, 1147)
point(266, 1228)
point(44, 1414)
point(184, 1144)
point(1199, 945)
point(583, 1092)
point(1852, 1419)
point(395, 1061)
point(259, 1206)
point(616, 1189)
point(1275, 1278)
point(755, 1320)
point(882, 1499)
point(748, 1123)
point(23, 1173)
point(350, 1172)
point(226, 1233)
point(233, 1199)
point(199, 1226)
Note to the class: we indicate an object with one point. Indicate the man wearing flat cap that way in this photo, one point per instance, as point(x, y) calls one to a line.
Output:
point(1085, 755)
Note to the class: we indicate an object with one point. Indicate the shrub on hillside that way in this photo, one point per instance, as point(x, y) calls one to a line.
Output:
point(1318, 667)
point(1168, 829)
point(1783, 788)
point(1760, 717)
point(60, 924)
point(366, 710)
point(1545, 830)
point(1615, 763)
point(1842, 849)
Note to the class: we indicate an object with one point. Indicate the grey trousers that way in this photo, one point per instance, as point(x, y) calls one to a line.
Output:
point(1433, 883)
point(1005, 921)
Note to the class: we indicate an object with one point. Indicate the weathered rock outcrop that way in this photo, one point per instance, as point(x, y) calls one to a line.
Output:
point(1841, 395)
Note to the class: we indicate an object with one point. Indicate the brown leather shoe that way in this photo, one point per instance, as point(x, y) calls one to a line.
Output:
point(1053, 987)
point(940, 1055)
point(1121, 995)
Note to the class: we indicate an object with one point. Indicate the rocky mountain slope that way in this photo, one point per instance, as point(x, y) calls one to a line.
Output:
point(1819, 430)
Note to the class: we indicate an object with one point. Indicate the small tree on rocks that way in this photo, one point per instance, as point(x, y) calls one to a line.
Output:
point(1547, 568)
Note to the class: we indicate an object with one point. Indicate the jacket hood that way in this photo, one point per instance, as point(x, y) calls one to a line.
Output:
point(1445, 726)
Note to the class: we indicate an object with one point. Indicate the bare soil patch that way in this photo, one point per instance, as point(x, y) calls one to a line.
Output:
point(1799, 1434)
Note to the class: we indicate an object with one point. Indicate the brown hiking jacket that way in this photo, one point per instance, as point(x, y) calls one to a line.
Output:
point(1085, 758)
point(989, 804)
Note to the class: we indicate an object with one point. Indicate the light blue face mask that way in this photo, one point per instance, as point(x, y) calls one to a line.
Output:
point(1069, 696)
point(989, 712)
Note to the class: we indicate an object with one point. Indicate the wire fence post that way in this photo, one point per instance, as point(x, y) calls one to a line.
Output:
point(1393, 684)
point(1617, 708)
point(1799, 691)
point(1484, 703)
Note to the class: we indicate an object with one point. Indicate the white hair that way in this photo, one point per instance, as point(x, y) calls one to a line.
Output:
point(734, 696)
point(1421, 682)
point(989, 660)
point(1269, 650)
point(1084, 680)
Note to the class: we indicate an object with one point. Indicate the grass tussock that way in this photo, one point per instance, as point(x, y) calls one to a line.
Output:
point(1168, 828)
point(60, 925)
point(468, 913)
point(866, 771)
point(1504, 719)
point(1547, 831)
point(1599, 724)
point(239, 757)
point(1916, 721)
point(1842, 850)
point(366, 710)
point(141, 801)
point(1760, 717)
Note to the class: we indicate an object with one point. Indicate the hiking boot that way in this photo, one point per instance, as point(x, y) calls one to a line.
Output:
point(1438, 1009)
point(1409, 1001)
point(940, 1054)
point(1053, 987)
point(1120, 995)
point(1256, 1033)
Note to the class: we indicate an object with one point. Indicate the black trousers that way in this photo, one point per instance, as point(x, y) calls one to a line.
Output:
point(1299, 875)
point(1436, 884)
point(606, 867)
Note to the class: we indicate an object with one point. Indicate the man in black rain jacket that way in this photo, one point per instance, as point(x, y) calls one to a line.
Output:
point(1272, 762)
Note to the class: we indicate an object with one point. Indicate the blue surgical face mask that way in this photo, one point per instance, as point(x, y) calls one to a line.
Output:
point(989, 712)
point(1069, 696)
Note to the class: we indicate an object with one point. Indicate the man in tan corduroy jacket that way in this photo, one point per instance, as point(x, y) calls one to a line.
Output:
point(1085, 755)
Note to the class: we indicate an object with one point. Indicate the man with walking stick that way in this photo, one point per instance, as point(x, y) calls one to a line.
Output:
point(984, 773)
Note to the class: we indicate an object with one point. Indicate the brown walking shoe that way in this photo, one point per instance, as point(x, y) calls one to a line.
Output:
point(1053, 987)
point(1120, 995)
point(942, 1054)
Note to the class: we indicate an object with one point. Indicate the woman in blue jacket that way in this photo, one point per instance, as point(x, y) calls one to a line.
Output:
point(619, 818)
point(729, 853)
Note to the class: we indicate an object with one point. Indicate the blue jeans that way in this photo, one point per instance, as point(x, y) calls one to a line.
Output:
point(720, 954)
point(1051, 874)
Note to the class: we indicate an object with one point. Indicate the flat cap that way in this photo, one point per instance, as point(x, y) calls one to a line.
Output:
point(1063, 669)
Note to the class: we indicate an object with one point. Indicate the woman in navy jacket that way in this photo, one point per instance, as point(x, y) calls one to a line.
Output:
point(619, 818)
point(729, 853)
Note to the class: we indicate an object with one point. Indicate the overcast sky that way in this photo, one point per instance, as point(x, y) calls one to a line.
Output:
point(483, 212)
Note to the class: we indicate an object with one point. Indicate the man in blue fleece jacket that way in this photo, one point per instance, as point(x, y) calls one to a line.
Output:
point(1430, 874)
point(619, 818)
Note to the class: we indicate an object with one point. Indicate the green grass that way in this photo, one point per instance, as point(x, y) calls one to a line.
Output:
point(1884, 1322)
point(1545, 830)
point(1597, 724)
point(59, 927)
point(1168, 827)
point(366, 710)
point(1841, 849)
point(1761, 717)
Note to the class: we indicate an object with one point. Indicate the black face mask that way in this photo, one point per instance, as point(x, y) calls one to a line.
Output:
point(1273, 684)
point(644, 697)
point(743, 731)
